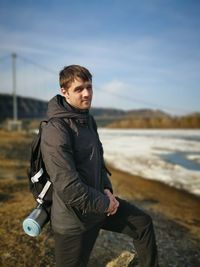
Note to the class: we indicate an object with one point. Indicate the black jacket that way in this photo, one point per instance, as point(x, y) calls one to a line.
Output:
point(73, 157)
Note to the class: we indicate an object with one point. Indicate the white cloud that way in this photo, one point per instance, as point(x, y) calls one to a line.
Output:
point(114, 86)
point(115, 94)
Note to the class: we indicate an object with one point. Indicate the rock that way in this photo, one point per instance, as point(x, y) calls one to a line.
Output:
point(122, 261)
point(112, 250)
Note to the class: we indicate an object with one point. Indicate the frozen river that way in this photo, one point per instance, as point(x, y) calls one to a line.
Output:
point(169, 156)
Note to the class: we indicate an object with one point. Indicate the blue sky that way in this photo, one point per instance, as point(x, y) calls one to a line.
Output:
point(142, 54)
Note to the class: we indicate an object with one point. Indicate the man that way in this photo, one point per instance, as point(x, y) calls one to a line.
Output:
point(83, 200)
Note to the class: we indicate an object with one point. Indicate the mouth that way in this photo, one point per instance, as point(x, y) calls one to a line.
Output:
point(86, 101)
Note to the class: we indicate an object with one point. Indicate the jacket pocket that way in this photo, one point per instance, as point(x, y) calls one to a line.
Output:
point(83, 154)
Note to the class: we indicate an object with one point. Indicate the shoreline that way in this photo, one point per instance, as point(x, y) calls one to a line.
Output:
point(177, 205)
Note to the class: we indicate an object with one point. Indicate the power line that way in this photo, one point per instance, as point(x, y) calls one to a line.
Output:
point(136, 100)
point(38, 65)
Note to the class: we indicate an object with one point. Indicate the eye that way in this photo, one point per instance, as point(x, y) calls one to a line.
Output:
point(78, 89)
point(89, 87)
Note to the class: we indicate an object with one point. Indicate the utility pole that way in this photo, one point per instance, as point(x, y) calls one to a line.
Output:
point(15, 115)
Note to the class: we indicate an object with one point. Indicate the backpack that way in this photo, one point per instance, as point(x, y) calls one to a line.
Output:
point(40, 186)
point(39, 180)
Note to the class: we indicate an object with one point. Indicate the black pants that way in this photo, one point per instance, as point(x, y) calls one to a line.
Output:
point(74, 250)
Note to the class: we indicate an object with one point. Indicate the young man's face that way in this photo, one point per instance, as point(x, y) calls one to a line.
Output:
point(79, 94)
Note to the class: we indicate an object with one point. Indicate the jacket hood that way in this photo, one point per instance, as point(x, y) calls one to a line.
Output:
point(59, 108)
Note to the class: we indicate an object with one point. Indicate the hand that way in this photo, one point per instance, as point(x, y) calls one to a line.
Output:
point(113, 205)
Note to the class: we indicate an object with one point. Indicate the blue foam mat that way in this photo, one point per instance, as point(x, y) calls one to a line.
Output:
point(31, 227)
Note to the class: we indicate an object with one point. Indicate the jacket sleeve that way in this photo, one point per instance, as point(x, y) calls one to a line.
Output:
point(57, 154)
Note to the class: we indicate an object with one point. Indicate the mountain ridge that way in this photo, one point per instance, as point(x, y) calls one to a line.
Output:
point(30, 108)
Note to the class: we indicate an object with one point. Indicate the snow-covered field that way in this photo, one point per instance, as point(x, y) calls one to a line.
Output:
point(169, 156)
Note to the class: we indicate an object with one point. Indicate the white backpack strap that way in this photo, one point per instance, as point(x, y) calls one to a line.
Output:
point(36, 177)
point(43, 192)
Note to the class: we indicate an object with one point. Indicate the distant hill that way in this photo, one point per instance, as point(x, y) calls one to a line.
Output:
point(31, 108)
point(28, 108)
point(191, 121)
point(34, 109)
point(146, 113)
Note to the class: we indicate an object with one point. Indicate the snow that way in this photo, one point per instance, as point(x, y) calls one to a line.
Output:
point(169, 156)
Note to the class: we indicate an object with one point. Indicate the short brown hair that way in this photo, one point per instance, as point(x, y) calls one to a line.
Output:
point(69, 73)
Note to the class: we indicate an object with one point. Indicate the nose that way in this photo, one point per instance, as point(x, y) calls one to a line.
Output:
point(86, 92)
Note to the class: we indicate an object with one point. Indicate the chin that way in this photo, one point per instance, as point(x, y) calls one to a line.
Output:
point(86, 106)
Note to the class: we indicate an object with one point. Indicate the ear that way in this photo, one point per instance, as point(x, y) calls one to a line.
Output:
point(64, 91)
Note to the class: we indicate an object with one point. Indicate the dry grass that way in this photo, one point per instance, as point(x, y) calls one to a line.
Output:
point(16, 202)
point(18, 249)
